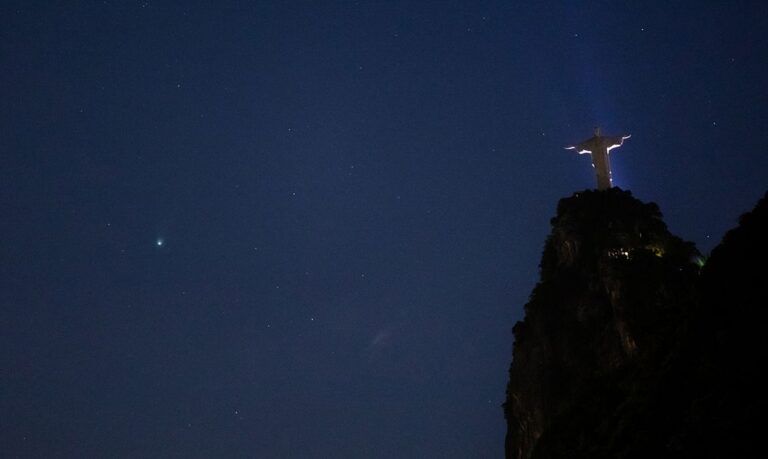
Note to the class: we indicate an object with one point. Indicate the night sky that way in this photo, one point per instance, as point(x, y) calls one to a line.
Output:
point(305, 229)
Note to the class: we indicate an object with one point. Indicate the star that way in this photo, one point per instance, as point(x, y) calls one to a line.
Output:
point(159, 242)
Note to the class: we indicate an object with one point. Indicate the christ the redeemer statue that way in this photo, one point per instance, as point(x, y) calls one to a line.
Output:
point(599, 147)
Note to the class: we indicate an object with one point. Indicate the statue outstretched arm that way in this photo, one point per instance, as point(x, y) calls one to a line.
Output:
point(617, 141)
point(579, 149)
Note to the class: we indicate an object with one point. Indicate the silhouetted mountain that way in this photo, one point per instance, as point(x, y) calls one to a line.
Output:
point(629, 348)
point(731, 404)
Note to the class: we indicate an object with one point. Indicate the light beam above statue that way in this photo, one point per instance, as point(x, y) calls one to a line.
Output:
point(599, 147)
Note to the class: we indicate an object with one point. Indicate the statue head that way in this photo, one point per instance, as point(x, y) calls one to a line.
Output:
point(597, 131)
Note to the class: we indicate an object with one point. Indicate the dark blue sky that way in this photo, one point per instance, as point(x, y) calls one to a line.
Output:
point(352, 198)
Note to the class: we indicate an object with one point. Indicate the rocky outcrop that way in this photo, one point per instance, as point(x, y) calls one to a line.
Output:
point(727, 418)
point(629, 348)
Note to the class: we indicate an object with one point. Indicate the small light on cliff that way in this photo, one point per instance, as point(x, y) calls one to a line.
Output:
point(620, 253)
point(701, 261)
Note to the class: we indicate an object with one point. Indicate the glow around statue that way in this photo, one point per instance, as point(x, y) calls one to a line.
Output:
point(599, 146)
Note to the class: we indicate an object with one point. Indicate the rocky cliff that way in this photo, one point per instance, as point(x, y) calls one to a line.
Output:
point(622, 352)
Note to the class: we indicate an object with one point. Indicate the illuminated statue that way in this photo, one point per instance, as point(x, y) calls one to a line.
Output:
point(599, 147)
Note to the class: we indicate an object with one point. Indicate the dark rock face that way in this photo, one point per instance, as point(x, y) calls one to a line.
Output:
point(616, 356)
point(729, 411)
